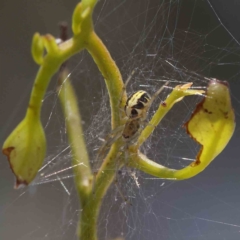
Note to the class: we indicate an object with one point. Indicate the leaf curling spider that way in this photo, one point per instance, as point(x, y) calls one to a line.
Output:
point(136, 110)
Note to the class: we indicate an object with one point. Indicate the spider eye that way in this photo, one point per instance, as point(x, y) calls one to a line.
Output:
point(134, 113)
point(139, 105)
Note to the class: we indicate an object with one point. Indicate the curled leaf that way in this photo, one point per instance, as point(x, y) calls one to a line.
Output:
point(86, 13)
point(37, 48)
point(25, 148)
point(50, 44)
point(82, 18)
point(76, 19)
point(212, 123)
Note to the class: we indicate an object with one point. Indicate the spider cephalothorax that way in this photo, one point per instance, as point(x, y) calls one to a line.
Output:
point(136, 109)
point(137, 104)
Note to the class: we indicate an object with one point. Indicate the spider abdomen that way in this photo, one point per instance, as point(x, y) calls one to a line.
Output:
point(131, 128)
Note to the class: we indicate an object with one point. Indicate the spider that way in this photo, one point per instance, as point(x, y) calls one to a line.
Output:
point(136, 110)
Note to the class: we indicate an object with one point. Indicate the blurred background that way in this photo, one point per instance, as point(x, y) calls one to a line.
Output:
point(199, 37)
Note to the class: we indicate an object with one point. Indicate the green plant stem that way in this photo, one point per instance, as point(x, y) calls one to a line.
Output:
point(40, 85)
point(90, 212)
point(148, 166)
point(111, 74)
point(49, 67)
point(106, 174)
point(143, 163)
point(80, 159)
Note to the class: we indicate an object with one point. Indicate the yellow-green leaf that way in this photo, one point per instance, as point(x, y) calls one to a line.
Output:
point(25, 148)
point(212, 123)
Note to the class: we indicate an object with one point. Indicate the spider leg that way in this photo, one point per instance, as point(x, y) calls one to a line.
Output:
point(126, 156)
point(116, 182)
point(126, 200)
point(129, 78)
point(156, 94)
point(125, 86)
point(111, 138)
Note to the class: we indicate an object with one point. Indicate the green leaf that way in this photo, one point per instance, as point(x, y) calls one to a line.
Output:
point(25, 148)
point(212, 123)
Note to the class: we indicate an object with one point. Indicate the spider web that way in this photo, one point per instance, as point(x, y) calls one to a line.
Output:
point(176, 41)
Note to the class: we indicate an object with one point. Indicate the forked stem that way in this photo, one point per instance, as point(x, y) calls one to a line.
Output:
point(217, 115)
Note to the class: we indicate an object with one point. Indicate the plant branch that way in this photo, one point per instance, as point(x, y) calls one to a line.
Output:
point(107, 171)
point(80, 159)
point(111, 74)
point(177, 94)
